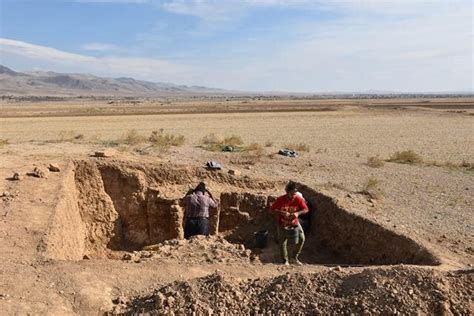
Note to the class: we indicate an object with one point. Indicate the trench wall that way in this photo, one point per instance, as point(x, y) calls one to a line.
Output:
point(103, 207)
point(65, 239)
point(358, 240)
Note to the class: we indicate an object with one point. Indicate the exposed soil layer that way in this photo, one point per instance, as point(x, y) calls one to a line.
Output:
point(120, 206)
point(399, 290)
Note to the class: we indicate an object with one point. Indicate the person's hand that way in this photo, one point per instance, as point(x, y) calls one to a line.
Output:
point(292, 216)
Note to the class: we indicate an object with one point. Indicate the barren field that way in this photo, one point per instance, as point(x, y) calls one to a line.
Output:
point(390, 234)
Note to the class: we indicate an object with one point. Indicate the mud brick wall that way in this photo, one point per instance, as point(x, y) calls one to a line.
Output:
point(242, 214)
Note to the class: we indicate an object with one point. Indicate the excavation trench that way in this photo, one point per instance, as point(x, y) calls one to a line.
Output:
point(112, 206)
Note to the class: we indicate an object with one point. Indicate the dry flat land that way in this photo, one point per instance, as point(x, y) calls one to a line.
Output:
point(391, 234)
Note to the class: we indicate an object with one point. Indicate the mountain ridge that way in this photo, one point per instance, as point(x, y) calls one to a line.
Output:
point(40, 83)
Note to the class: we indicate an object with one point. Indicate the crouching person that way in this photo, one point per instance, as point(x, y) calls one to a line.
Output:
point(196, 211)
point(287, 209)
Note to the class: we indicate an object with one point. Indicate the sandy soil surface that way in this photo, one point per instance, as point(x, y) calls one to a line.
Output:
point(50, 264)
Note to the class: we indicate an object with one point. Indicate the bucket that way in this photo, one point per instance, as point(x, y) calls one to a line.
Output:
point(292, 234)
point(261, 238)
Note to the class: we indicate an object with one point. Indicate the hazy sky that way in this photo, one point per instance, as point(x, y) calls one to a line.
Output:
point(260, 45)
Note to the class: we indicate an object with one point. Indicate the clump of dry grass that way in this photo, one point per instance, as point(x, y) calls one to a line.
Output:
point(406, 157)
point(132, 137)
point(375, 162)
point(371, 188)
point(254, 147)
point(467, 165)
point(213, 143)
point(330, 184)
point(210, 139)
point(233, 141)
point(67, 136)
point(464, 165)
point(163, 140)
point(297, 147)
point(109, 143)
point(268, 143)
point(253, 153)
point(3, 142)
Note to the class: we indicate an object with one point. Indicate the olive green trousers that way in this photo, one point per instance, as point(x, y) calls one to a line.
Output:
point(283, 242)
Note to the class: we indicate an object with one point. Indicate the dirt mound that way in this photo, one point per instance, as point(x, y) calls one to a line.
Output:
point(404, 290)
point(198, 249)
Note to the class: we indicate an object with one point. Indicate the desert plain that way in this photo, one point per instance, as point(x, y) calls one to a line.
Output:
point(390, 180)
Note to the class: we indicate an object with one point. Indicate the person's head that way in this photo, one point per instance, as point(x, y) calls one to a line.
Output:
point(201, 187)
point(291, 190)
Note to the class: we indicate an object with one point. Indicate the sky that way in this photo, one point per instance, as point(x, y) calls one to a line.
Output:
point(310, 46)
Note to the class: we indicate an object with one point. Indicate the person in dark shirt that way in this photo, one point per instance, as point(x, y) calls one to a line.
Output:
point(287, 209)
point(196, 211)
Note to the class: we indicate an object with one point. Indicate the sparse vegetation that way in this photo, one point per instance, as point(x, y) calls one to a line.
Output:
point(406, 157)
point(163, 140)
point(213, 143)
point(302, 147)
point(3, 142)
point(210, 139)
point(467, 165)
point(254, 147)
point(67, 136)
point(371, 188)
point(132, 137)
point(268, 143)
point(330, 184)
point(464, 165)
point(253, 153)
point(109, 143)
point(375, 162)
point(233, 141)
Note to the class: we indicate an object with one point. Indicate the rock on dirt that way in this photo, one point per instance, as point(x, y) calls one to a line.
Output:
point(54, 167)
point(234, 172)
point(107, 153)
point(16, 177)
point(39, 172)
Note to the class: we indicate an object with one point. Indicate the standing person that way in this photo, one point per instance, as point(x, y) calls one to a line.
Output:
point(288, 208)
point(196, 211)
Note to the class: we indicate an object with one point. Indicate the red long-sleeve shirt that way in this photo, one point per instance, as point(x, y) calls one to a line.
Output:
point(291, 206)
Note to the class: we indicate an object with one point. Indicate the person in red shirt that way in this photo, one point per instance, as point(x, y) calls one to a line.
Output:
point(287, 208)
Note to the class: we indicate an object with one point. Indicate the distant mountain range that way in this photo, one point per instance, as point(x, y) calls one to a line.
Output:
point(40, 83)
point(52, 84)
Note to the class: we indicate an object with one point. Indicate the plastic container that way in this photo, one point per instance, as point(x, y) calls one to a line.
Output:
point(261, 238)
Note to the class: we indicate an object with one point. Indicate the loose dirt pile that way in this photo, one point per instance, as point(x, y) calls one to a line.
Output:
point(198, 249)
point(400, 290)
